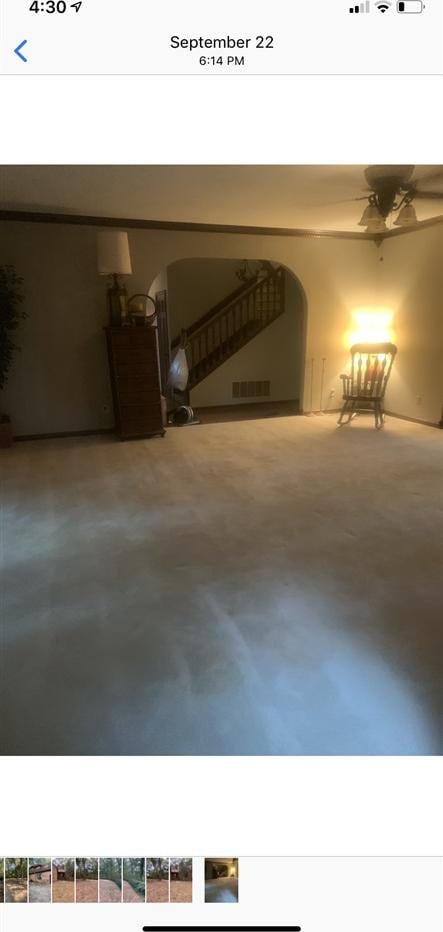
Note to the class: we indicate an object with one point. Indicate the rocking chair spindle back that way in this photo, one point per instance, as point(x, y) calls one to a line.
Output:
point(364, 388)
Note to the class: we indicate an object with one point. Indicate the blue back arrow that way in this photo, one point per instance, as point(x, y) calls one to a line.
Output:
point(18, 52)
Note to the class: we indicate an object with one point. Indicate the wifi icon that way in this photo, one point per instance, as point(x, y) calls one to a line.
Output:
point(383, 7)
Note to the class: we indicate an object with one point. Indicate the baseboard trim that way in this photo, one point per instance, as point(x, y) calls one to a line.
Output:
point(413, 420)
point(401, 417)
point(60, 435)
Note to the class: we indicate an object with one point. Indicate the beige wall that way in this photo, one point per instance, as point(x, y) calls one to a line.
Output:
point(196, 285)
point(411, 284)
point(59, 382)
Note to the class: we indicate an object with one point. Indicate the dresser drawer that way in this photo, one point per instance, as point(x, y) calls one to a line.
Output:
point(134, 370)
point(146, 413)
point(137, 396)
point(130, 383)
point(135, 355)
point(127, 336)
point(141, 429)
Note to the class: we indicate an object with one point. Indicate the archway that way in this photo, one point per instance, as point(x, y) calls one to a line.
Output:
point(245, 325)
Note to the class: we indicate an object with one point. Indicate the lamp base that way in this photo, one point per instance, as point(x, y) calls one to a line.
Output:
point(117, 298)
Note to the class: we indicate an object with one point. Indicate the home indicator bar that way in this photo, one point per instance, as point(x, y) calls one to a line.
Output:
point(223, 928)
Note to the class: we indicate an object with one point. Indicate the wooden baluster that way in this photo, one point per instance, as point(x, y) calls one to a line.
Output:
point(374, 380)
point(367, 377)
point(359, 363)
point(381, 378)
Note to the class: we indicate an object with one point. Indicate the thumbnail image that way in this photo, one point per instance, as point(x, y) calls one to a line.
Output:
point(39, 880)
point(86, 880)
point(157, 880)
point(16, 880)
point(110, 883)
point(63, 880)
point(180, 880)
point(221, 880)
point(133, 880)
point(2, 884)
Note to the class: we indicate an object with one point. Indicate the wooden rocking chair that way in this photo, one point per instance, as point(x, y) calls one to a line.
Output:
point(364, 389)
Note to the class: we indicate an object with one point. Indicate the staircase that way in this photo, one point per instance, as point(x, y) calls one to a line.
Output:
point(232, 323)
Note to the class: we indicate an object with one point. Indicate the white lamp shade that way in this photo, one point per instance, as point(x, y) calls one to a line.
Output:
point(113, 253)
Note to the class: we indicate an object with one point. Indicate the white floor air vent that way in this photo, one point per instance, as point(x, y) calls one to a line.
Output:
point(251, 389)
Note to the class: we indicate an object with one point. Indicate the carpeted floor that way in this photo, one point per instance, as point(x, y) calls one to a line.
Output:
point(222, 890)
point(254, 587)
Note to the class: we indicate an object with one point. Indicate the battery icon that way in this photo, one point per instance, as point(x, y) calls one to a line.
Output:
point(410, 6)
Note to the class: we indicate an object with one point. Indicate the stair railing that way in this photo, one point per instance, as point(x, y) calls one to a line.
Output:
point(234, 322)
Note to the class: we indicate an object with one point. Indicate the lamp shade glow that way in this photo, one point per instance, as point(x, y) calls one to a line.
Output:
point(113, 253)
point(371, 326)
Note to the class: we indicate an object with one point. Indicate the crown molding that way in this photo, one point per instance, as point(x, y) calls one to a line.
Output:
point(32, 216)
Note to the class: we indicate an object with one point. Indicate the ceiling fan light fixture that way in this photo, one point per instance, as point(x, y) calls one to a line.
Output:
point(407, 216)
point(370, 214)
point(376, 226)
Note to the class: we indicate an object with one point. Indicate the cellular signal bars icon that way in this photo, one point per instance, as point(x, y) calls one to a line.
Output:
point(360, 8)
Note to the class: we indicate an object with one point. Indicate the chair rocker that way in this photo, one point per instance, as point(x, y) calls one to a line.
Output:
point(364, 389)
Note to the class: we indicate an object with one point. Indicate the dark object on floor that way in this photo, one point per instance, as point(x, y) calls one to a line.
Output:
point(364, 389)
point(183, 416)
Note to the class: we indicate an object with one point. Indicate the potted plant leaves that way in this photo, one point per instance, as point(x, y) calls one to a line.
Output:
point(11, 313)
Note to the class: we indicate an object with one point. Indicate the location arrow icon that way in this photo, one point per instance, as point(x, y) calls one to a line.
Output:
point(18, 52)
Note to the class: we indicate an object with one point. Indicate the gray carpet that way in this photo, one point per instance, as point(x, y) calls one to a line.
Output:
point(256, 587)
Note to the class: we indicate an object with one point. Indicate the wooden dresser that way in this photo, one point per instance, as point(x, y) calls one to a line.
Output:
point(135, 382)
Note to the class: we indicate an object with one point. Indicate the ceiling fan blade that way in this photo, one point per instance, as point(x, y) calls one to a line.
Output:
point(346, 200)
point(429, 195)
point(436, 175)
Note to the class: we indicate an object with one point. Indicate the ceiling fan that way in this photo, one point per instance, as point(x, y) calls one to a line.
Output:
point(393, 190)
